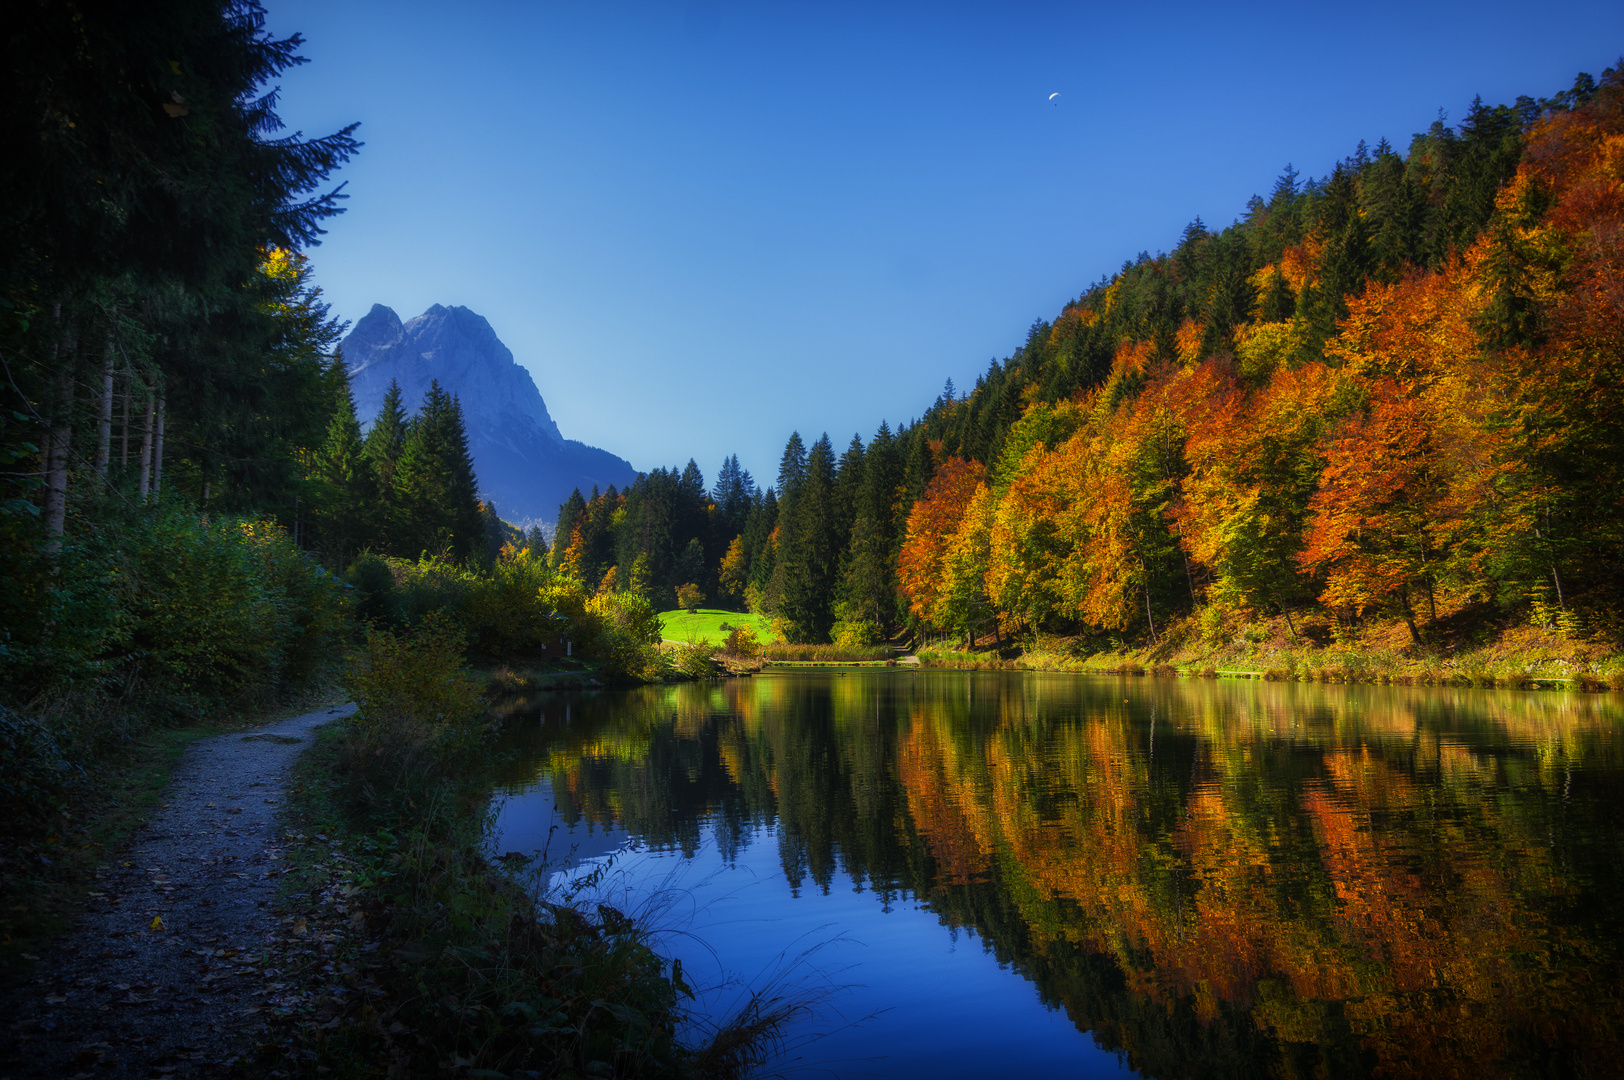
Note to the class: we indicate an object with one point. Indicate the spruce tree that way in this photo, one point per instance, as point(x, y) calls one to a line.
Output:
point(570, 513)
point(759, 552)
point(387, 438)
point(437, 503)
point(792, 468)
point(809, 550)
point(868, 582)
point(347, 503)
point(848, 481)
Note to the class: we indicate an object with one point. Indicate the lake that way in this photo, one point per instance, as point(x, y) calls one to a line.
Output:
point(970, 873)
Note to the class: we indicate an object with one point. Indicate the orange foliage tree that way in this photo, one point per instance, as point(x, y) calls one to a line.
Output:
point(932, 525)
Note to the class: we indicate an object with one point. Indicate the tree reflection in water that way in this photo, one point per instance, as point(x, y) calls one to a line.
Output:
point(1213, 878)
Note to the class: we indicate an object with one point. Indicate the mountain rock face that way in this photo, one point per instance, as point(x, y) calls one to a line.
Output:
point(524, 465)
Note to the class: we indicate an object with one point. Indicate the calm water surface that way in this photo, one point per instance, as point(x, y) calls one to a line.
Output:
point(1005, 873)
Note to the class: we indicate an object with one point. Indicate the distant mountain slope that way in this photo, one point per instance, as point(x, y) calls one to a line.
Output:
point(524, 464)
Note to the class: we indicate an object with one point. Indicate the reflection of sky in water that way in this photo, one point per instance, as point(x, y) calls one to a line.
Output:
point(929, 985)
point(528, 823)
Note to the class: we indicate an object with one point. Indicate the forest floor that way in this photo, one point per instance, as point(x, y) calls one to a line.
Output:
point(169, 970)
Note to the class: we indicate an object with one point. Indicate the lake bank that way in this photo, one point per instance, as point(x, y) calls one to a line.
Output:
point(1517, 657)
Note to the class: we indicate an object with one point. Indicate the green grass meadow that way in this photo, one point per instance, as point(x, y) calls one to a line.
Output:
point(706, 625)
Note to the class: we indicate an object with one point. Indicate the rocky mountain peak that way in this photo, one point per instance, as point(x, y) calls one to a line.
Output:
point(509, 429)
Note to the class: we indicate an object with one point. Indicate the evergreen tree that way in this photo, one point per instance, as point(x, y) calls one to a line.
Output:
point(387, 438)
point(147, 187)
point(759, 550)
point(347, 503)
point(848, 480)
point(921, 463)
point(1279, 303)
point(792, 468)
point(691, 564)
point(734, 495)
point(437, 502)
point(809, 552)
point(868, 577)
point(535, 541)
point(569, 515)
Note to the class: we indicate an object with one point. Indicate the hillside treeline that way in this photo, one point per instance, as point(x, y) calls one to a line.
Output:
point(1393, 394)
point(1390, 393)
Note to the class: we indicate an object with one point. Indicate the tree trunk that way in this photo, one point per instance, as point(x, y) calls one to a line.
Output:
point(124, 429)
point(58, 444)
point(1148, 617)
point(104, 422)
point(1189, 574)
point(1409, 614)
point(1284, 610)
point(144, 481)
point(158, 450)
point(59, 440)
point(1556, 577)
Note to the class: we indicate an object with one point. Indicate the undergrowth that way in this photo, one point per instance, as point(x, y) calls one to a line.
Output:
point(449, 964)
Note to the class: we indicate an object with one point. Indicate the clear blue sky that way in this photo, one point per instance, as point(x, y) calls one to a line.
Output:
point(702, 225)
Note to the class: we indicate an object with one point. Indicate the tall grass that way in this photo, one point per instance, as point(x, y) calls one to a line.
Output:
point(825, 653)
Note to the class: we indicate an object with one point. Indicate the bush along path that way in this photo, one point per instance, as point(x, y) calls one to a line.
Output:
point(163, 975)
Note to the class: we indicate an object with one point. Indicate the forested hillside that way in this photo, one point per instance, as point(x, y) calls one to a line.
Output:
point(1392, 392)
point(1389, 393)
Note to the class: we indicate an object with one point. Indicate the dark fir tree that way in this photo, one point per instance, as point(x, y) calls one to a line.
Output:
point(570, 513)
point(809, 549)
point(437, 506)
point(346, 504)
point(387, 438)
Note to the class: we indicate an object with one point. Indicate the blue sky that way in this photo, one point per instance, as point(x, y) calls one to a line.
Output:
point(702, 225)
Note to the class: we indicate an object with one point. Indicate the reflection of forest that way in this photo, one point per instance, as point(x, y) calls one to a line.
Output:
point(1217, 879)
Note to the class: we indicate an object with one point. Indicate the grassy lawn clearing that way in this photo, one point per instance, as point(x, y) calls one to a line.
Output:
point(706, 625)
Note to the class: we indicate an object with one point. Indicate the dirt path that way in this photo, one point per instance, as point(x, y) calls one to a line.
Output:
point(158, 979)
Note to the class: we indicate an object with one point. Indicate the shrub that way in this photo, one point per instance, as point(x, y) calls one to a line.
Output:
point(627, 643)
point(35, 774)
point(412, 694)
point(741, 642)
point(856, 633)
point(691, 597)
point(318, 607)
point(204, 620)
point(696, 659)
point(504, 611)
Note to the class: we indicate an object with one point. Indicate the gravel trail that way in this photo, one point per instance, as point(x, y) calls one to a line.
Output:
point(160, 977)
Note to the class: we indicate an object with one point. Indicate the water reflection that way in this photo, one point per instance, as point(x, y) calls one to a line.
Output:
point(1210, 879)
